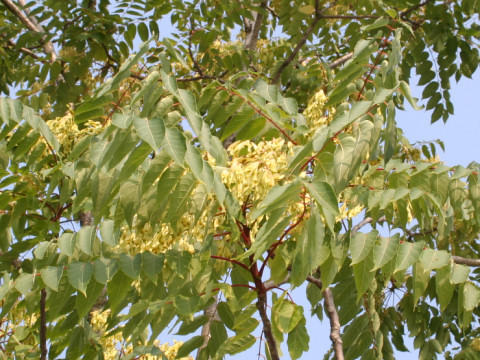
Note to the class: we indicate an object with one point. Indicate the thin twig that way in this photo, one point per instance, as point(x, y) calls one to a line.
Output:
point(352, 17)
point(404, 14)
point(22, 49)
point(340, 61)
point(303, 40)
point(364, 222)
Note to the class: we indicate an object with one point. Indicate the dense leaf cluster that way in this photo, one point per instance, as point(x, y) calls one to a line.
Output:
point(203, 176)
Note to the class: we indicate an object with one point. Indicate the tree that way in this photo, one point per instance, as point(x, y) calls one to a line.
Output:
point(190, 182)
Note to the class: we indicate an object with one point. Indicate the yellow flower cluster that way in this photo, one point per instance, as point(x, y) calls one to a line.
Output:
point(255, 168)
point(66, 130)
point(113, 345)
point(109, 343)
point(316, 113)
point(160, 240)
point(349, 213)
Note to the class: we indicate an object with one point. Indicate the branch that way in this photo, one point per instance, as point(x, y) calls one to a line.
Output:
point(43, 325)
point(303, 40)
point(353, 17)
point(315, 281)
point(211, 313)
point(364, 222)
point(267, 326)
point(466, 261)
point(334, 324)
point(252, 28)
point(22, 49)
point(404, 14)
point(31, 23)
point(340, 61)
point(333, 316)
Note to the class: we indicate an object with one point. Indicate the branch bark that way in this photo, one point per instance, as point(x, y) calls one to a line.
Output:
point(334, 324)
point(211, 313)
point(333, 316)
point(267, 326)
point(43, 325)
point(252, 28)
point(364, 222)
point(303, 40)
point(340, 61)
point(31, 24)
point(466, 261)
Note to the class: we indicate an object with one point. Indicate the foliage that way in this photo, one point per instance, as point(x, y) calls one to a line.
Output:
point(190, 182)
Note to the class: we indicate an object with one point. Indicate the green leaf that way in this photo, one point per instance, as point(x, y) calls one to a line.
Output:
point(102, 186)
point(130, 264)
point(175, 145)
point(308, 255)
point(384, 250)
point(186, 305)
point(326, 198)
point(350, 153)
point(107, 232)
point(298, 340)
point(471, 296)
point(421, 276)
point(378, 23)
point(189, 345)
point(218, 334)
point(363, 275)
point(117, 289)
point(361, 245)
point(189, 327)
point(443, 286)
point(434, 259)
point(276, 197)
point(405, 89)
point(459, 273)
point(67, 243)
point(86, 301)
point(85, 238)
point(79, 275)
point(104, 269)
point(152, 265)
point(235, 345)
point(25, 282)
point(226, 314)
point(152, 131)
point(407, 254)
point(134, 160)
point(51, 276)
point(286, 315)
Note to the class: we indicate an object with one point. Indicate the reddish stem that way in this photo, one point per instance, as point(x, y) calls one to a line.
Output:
point(230, 261)
point(260, 112)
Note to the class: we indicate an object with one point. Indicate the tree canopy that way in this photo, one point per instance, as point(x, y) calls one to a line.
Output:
point(188, 183)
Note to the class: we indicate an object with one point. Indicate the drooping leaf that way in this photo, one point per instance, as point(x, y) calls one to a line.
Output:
point(384, 250)
point(407, 254)
point(363, 275)
point(286, 315)
point(79, 275)
point(152, 131)
point(361, 245)
point(51, 276)
point(326, 198)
